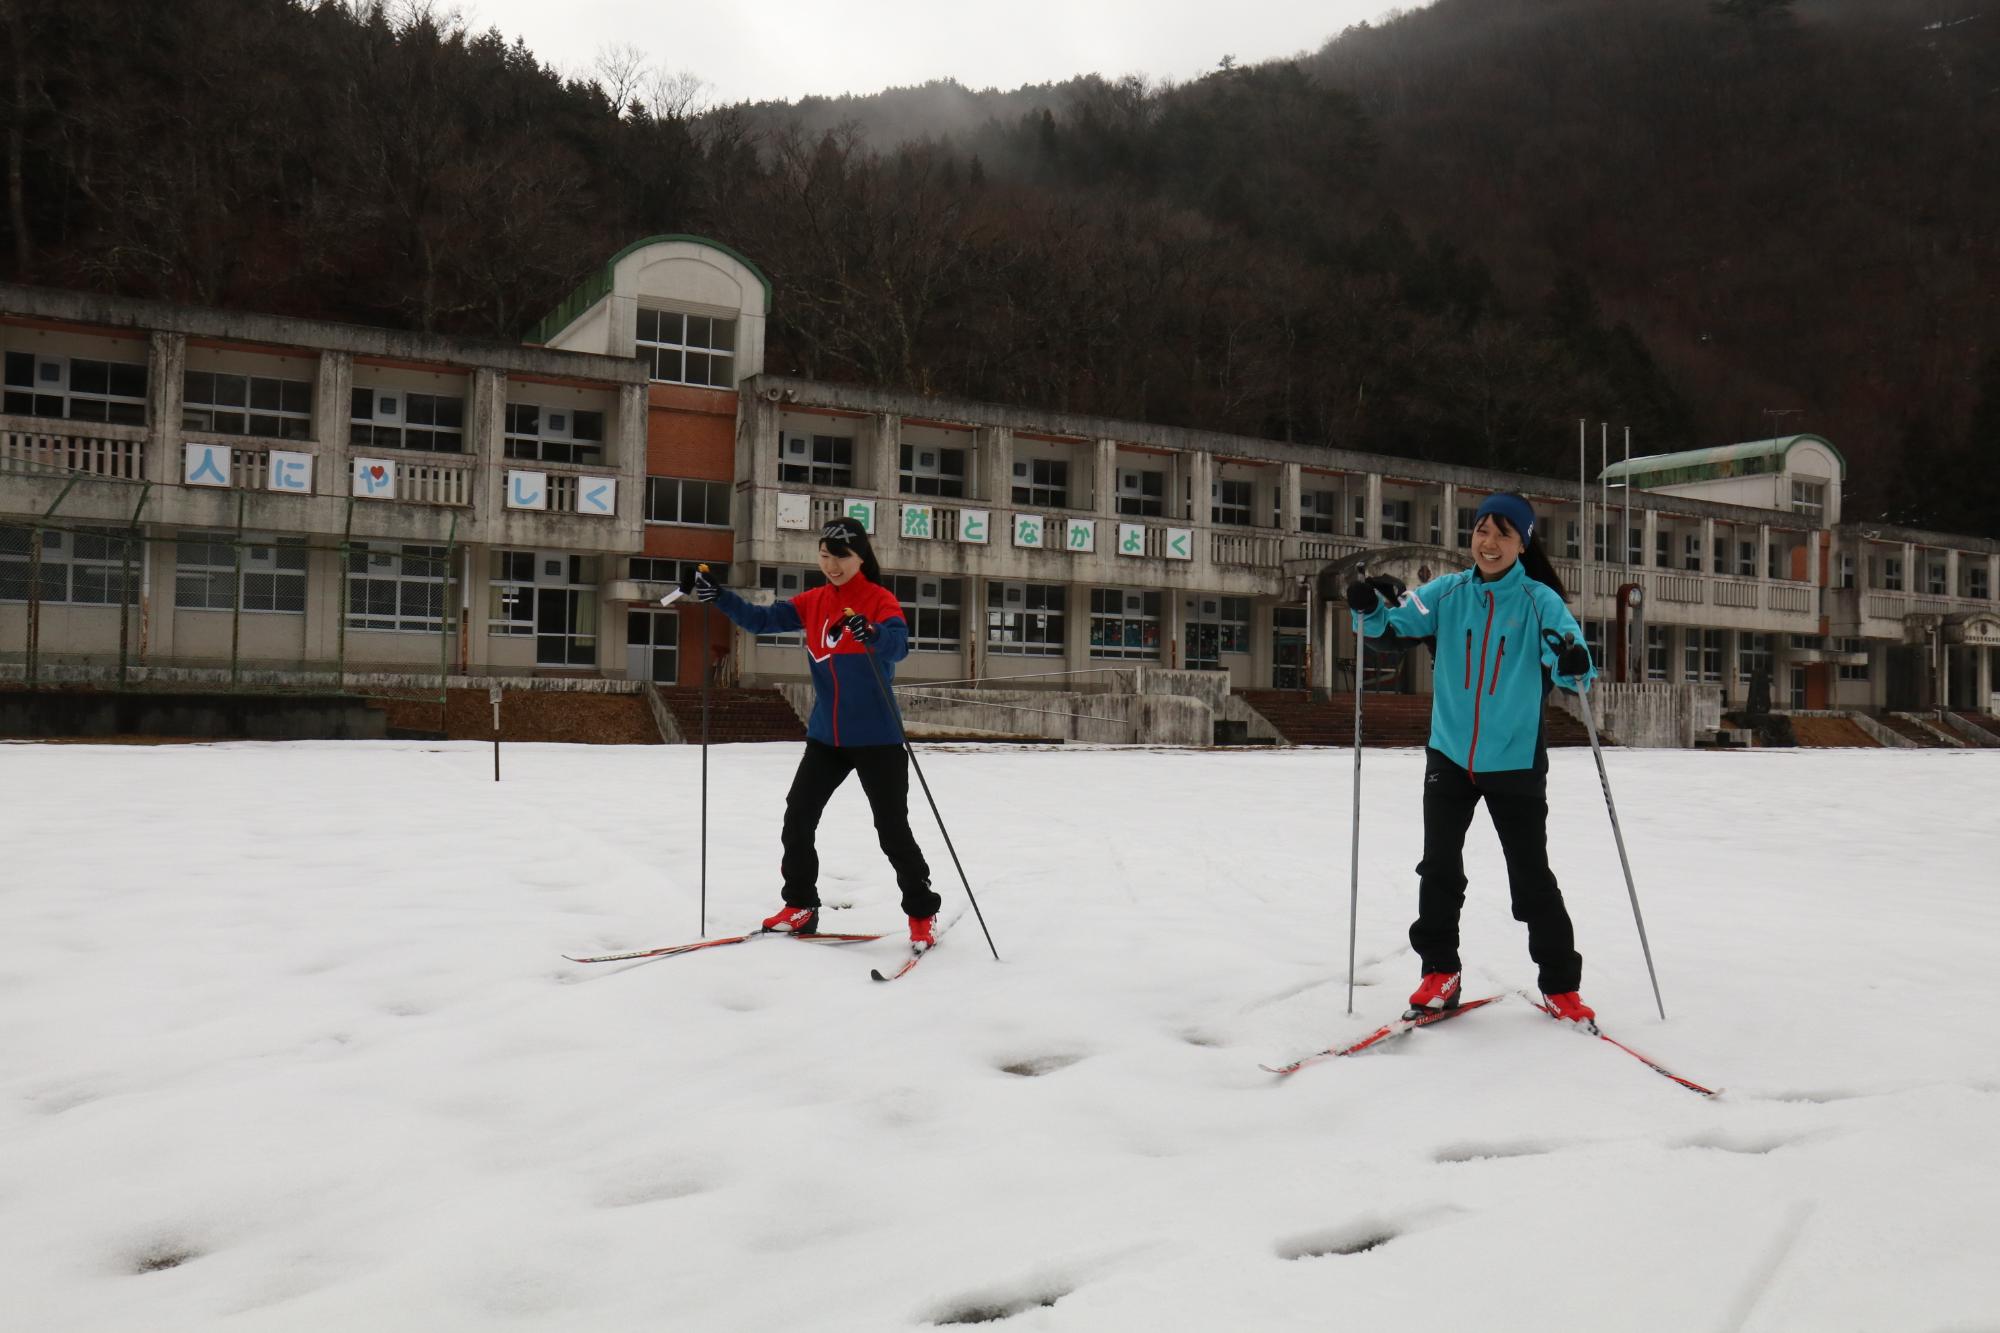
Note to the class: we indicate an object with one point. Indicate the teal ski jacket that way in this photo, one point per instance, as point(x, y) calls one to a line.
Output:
point(1488, 681)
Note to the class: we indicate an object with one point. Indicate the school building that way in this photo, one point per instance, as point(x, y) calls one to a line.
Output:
point(181, 491)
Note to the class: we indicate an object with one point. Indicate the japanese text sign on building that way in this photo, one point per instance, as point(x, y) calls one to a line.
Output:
point(1028, 530)
point(1180, 543)
point(375, 478)
point(1080, 535)
point(290, 472)
point(974, 526)
point(597, 495)
point(1131, 539)
point(794, 511)
point(919, 521)
point(206, 465)
point(527, 490)
point(862, 512)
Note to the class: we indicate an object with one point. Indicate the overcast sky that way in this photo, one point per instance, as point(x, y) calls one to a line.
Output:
point(787, 49)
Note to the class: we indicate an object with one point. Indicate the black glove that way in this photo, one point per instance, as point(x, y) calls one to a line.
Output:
point(857, 624)
point(1574, 660)
point(1364, 595)
point(701, 587)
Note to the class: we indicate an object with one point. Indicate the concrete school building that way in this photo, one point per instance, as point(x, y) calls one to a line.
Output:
point(182, 488)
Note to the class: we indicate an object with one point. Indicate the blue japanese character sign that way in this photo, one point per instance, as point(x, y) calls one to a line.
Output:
point(530, 490)
point(289, 472)
point(206, 465)
point(375, 478)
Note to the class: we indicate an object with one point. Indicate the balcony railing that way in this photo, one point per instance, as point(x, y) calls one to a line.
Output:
point(107, 451)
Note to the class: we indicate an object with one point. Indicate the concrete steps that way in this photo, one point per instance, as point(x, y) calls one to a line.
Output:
point(735, 716)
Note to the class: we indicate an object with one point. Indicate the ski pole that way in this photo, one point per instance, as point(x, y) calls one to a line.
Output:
point(1354, 836)
point(1604, 780)
point(882, 683)
point(706, 667)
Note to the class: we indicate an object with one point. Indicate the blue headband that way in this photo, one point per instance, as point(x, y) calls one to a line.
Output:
point(1510, 507)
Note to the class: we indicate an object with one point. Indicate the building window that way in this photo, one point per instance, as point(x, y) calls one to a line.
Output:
point(928, 470)
point(1124, 622)
point(396, 587)
point(1663, 548)
point(1437, 524)
point(1809, 499)
point(273, 573)
point(816, 460)
point(1934, 581)
point(1361, 515)
point(247, 405)
point(1753, 654)
point(391, 419)
point(1396, 520)
point(1319, 511)
point(1635, 546)
point(1691, 552)
point(1041, 483)
point(785, 582)
point(1976, 585)
point(1892, 573)
point(551, 597)
point(934, 610)
point(1025, 618)
point(83, 568)
point(1215, 625)
point(1704, 655)
point(1845, 577)
point(1746, 559)
point(702, 504)
point(1142, 493)
point(653, 646)
point(75, 388)
point(1852, 646)
point(678, 573)
point(1658, 654)
point(1572, 544)
point(1230, 502)
point(554, 434)
point(688, 349)
point(1466, 513)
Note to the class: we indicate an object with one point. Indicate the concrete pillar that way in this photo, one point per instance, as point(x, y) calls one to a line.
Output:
point(1173, 626)
point(1951, 573)
point(888, 463)
point(333, 410)
point(1076, 632)
point(630, 429)
point(1448, 519)
point(1649, 541)
point(1199, 481)
point(1763, 551)
point(1813, 542)
point(1374, 532)
point(1708, 546)
point(1983, 700)
point(994, 482)
point(166, 371)
point(1104, 480)
point(1910, 580)
point(485, 433)
point(1288, 498)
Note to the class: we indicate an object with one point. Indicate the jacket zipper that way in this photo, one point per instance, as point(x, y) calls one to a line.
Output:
point(833, 669)
point(1472, 751)
point(1498, 657)
point(1468, 657)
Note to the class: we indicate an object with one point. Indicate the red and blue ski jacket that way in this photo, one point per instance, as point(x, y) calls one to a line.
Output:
point(848, 708)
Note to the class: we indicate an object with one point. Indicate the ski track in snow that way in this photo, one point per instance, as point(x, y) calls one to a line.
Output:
point(286, 1043)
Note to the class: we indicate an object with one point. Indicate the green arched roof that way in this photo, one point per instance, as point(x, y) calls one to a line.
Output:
point(1749, 459)
point(598, 285)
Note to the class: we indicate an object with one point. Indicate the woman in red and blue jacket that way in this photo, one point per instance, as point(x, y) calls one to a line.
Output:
point(1502, 634)
point(853, 728)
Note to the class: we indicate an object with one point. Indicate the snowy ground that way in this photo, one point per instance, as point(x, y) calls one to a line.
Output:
point(286, 1043)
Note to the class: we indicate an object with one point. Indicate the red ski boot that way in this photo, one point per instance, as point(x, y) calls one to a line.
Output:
point(1437, 992)
point(921, 932)
point(1570, 1008)
point(794, 921)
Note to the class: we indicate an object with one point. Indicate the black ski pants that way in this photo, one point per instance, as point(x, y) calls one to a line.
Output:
point(1519, 807)
point(885, 777)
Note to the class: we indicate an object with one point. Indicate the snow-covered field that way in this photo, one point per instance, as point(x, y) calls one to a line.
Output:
point(287, 1043)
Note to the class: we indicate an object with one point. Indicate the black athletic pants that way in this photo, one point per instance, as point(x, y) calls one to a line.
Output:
point(885, 777)
point(1518, 804)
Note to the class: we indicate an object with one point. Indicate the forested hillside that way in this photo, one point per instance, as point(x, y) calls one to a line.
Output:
point(1447, 236)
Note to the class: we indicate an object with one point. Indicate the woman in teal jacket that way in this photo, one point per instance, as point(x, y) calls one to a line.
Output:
point(1502, 634)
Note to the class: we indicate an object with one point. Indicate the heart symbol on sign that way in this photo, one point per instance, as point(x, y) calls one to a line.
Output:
point(377, 472)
